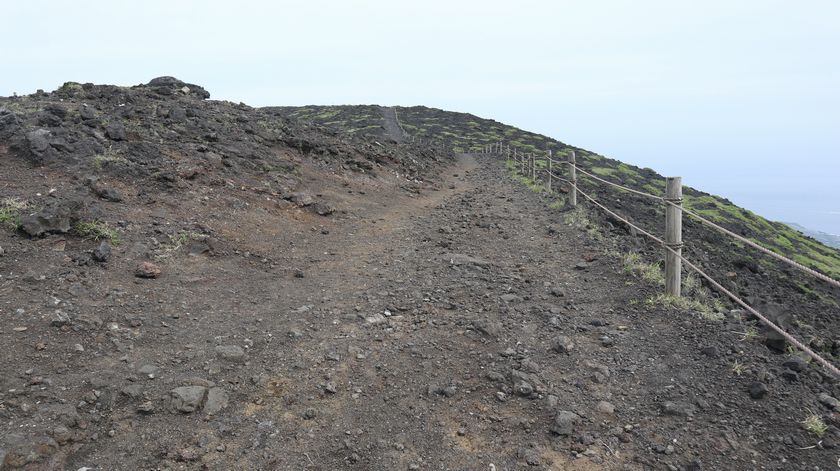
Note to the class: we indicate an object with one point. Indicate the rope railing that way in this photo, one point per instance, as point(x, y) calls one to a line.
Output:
point(759, 247)
point(761, 317)
point(707, 222)
point(673, 243)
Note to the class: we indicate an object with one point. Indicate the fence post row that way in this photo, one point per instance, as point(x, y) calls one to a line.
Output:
point(673, 235)
point(673, 212)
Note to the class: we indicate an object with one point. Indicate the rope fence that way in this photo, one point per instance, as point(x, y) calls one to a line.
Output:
point(526, 165)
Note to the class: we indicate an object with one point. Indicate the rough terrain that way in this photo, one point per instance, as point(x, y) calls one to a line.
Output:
point(405, 311)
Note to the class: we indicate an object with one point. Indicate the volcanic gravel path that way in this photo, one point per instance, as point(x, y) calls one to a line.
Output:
point(467, 328)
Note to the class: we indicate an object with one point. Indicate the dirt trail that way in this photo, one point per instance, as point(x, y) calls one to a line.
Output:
point(392, 124)
point(451, 329)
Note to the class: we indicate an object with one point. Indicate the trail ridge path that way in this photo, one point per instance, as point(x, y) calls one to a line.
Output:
point(392, 124)
point(450, 329)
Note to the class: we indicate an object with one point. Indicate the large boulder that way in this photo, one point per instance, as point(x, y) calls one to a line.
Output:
point(170, 86)
point(9, 124)
point(57, 218)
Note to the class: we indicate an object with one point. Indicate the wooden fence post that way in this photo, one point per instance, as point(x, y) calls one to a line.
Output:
point(573, 180)
point(531, 165)
point(549, 171)
point(673, 235)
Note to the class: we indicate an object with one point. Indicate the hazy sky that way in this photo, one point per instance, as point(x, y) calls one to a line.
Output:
point(740, 97)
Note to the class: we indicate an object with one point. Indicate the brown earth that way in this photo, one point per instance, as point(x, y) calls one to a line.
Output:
point(417, 331)
point(280, 296)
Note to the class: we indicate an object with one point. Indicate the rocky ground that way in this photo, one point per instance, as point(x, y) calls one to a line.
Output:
point(457, 321)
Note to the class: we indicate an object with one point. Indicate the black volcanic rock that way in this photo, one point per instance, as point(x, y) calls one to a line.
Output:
point(170, 85)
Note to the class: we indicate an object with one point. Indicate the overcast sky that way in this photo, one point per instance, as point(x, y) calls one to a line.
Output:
point(741, 98)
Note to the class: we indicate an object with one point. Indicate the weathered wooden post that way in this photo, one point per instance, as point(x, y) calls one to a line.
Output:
point(533, 167)
point(673, 235)
point(548, 184)
point(573, 180)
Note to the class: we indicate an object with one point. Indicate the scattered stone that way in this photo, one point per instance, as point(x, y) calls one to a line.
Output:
point(758, 390)
point(582, 265)
point(149, 371)
point(678, 409)
point(61, 434)
point(558, 292)
point(510, 298)
point(146, 408)
point(375, 319)
point(217, 399)
point(30, 450)
point(711, 351)
point(604, 407)
point(564, 423)
point(147, 270)
point(60, 318)
point(109, 194)
point(330, 388)
point(53, 219)
point(102, 252)
point(795, 363)
point(230, 352)
point(488, 328)
point(563, 344)
point(323, 209)
point(829, 401)
point(302, 199)
point(188, 399)
point(115, 131)
point(523, 388)
point(495, 377)
point(133, 391)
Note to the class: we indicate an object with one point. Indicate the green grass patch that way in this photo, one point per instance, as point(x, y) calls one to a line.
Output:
point(558, 204)
point(10, 209)
point(649, 272)
point(603, 171)
point(684, 303)
point(96, 230)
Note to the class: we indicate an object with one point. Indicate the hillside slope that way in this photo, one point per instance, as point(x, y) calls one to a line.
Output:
point(465, 131)
point(201, 285)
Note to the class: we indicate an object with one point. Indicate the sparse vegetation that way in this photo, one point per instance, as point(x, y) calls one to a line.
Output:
point(649, 272)
point(749, 334)
point(108, 157)
point(738, 368)
point(685, 303)
point(183, 237)
point(97, 230)
point(10, 209)
point(813, 423)
point(558, 203)
point(177, 241)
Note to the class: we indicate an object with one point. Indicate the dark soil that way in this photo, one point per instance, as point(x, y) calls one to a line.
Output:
point(358, 305)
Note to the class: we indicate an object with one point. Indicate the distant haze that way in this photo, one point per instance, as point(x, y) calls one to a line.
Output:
point(740, 98)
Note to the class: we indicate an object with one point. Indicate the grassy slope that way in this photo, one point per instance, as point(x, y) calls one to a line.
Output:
point(468, 132)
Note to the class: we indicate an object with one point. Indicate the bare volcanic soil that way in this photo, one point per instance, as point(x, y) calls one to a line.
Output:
point(429, 314)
